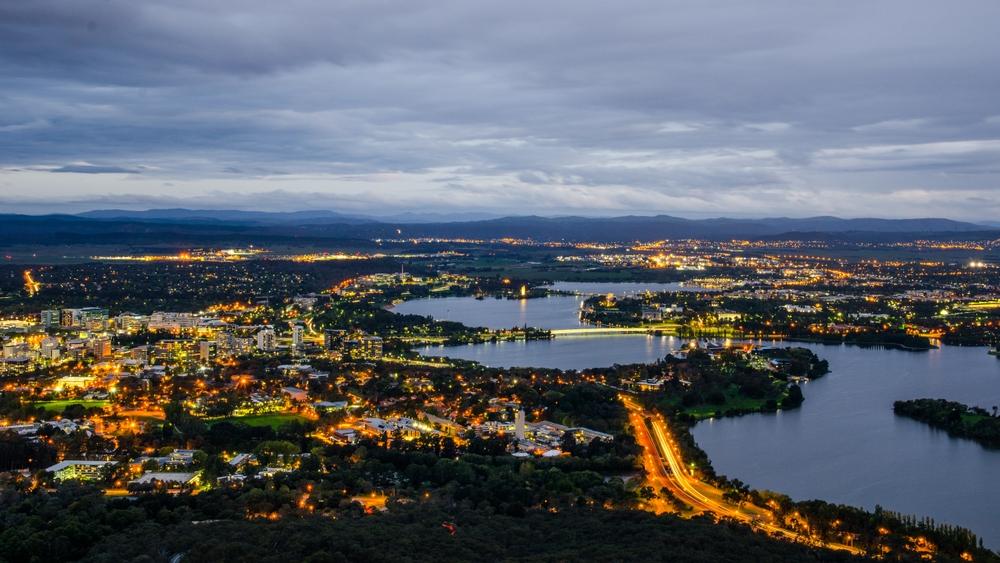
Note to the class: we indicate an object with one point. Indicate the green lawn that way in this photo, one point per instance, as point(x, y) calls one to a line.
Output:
point(736, 403)
point(733, 401)
point(59, 406)
point(970, 420)
point(272, 420)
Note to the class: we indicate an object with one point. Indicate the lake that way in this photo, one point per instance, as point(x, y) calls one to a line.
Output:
point(843, 445)
point(554, 311)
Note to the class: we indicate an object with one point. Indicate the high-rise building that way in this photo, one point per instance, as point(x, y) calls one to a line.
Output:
point(364, 348)
point(265, 340)
point(93, 318)
point(174, 322)
point(205, 349)
point(49, 318)
point(49, 348)
point(372, 347)
point(519, 424)
point(140, 353)
point(225, 342)
point(298, 332)
point(174, 350)
point(242, 345)
point(129, 322)
point(67, 317)
point(102, 348)
point(90, 318)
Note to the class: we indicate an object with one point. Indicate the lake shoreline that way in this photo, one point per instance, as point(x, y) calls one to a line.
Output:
point(843, 445)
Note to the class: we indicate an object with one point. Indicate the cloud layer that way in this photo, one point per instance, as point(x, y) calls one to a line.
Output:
point(691, 108)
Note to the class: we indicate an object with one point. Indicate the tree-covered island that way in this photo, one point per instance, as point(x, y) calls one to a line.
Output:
point(957, 419)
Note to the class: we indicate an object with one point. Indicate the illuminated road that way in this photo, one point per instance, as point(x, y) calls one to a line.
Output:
point(665, 468)
point(30, 285)
point(142, 413)
point(614, 330)
point(597, 330)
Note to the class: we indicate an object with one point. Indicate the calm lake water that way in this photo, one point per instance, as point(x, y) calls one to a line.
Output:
point(554, 311)
point(844, 445)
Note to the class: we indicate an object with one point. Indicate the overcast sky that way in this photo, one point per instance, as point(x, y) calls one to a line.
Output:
point(697, 108)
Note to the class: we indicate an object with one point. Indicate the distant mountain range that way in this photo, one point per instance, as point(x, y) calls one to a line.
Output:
point(224, 216)
point(664, 226)
point(470, 222)
point(209, 227)
point(274, 218)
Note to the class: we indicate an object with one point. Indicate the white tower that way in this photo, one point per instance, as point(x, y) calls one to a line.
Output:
point(265, 340)
point(519, 424)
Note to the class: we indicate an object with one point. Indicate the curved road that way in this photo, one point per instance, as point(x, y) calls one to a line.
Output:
point(665, 468)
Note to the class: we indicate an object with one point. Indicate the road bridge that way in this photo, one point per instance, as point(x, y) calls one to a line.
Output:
point(582, 331)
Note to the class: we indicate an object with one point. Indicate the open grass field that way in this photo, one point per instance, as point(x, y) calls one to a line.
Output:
point(60, 405)
point(734, 401)
point(272, 420)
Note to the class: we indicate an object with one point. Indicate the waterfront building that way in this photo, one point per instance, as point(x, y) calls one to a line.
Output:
point(652, 314)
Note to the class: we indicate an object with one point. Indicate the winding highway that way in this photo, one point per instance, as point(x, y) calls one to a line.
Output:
point(665, 468)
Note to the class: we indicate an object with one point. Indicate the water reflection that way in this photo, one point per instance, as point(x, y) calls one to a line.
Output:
point(844, 445)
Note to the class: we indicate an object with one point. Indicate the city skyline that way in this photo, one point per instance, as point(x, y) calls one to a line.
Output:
point(568, 109)
point(400, 280)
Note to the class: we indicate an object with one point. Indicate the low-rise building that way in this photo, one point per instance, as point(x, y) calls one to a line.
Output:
point(170, 480)
point(78, 469)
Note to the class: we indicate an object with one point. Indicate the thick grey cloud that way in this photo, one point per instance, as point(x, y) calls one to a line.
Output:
point(693, 108)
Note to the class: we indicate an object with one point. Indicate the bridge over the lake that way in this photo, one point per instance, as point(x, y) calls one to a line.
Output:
point(581, 331)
